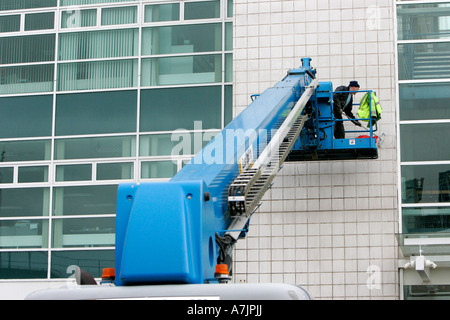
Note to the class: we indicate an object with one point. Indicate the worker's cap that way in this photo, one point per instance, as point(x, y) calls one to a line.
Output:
point(354, 84)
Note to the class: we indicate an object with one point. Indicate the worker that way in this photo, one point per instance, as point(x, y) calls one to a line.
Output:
point(343, 103)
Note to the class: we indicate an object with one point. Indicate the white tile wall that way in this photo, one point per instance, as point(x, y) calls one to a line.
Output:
point(323, 225)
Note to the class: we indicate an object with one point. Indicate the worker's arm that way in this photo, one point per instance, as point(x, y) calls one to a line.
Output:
point(350, 115)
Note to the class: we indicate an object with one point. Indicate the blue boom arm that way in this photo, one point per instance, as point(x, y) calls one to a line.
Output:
point(178, 231)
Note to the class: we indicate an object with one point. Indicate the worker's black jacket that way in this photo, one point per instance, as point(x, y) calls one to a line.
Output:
point(340, 102)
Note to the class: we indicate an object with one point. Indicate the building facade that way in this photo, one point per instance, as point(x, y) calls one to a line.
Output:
point(91, 92)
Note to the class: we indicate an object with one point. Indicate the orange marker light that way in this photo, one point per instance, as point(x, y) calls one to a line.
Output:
point(222, 269)
point(109, 273)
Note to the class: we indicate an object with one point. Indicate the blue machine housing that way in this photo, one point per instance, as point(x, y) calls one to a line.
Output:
point(166, 231)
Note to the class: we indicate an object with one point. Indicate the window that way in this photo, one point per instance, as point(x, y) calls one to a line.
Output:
point(426, 183)
point(98, 44)
point(119, 15)
point(40, 21)
point(6, 174)
point(74, 172)
point(115, 171)
point(33, 174)
point(84, 200)
point(424, 21)
point(424, 60)
point(24, 202)
point(79, 18)
point(181, 70)
point(182, 39)
point(83, 2)
point(26, 79)
point(32, 150)
point(202, 10)
point(10, 23)
point(23, 233)
point(158, 169)
point(92, 261)
point(189, 104)
point(97, 75)
point(24, 265)
point(424, 101)
point(97, 147)
point(91, 232)
point(36, 48)
point(426, 219)
point(34, 113)
point(95, 113)
point(162, 12)
point(26, 4)
point(424, 142)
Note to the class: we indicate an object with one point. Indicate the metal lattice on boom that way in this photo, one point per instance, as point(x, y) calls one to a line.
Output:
point(247, 190)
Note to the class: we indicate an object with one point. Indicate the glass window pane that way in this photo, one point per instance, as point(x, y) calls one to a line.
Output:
point(24, 202)
point(98, 44)
point(424, 142)
point(230, 8)
point(423, 61)
point(228, 116)
point(86, 232)
point(74, 172)
point(229, 67)
point(26, 4)
point(97, 75)
point(36, 48)
point(229, 36)
point(92, 261)
point(84, 200)
point(115, 171)
point(119, 15)
point(202, 10)
point(24, 265)
point(26, 79)
point(158, 169)
point(182, 39)
point(91, 148)
point(83, 2)
point(10, 23)
point(426, 183)
point(182, 70)
point(33, 174)
point(420, 220)
point(79, 18)
point(159, 145)
point(40, 21)
point(423, 21)
point(95, 113)
point(424, 101)
point(6, 175)
point(34, 150)
point(162, 12)
point(34, 113)
point(24, 233)
point(180, 143)
point(189, 104)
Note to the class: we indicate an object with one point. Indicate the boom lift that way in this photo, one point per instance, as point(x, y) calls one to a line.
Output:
point(180, 233)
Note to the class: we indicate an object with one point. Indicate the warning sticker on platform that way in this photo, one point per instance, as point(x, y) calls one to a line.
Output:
point(246, 160)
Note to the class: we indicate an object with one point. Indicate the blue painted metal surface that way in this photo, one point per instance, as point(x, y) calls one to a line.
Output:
point(165, 232)
point(316, 142)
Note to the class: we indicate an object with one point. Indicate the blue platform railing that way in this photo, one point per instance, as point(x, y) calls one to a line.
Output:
point(370, 127)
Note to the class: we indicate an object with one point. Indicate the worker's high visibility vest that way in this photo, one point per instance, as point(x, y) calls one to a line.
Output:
point(375, 108)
